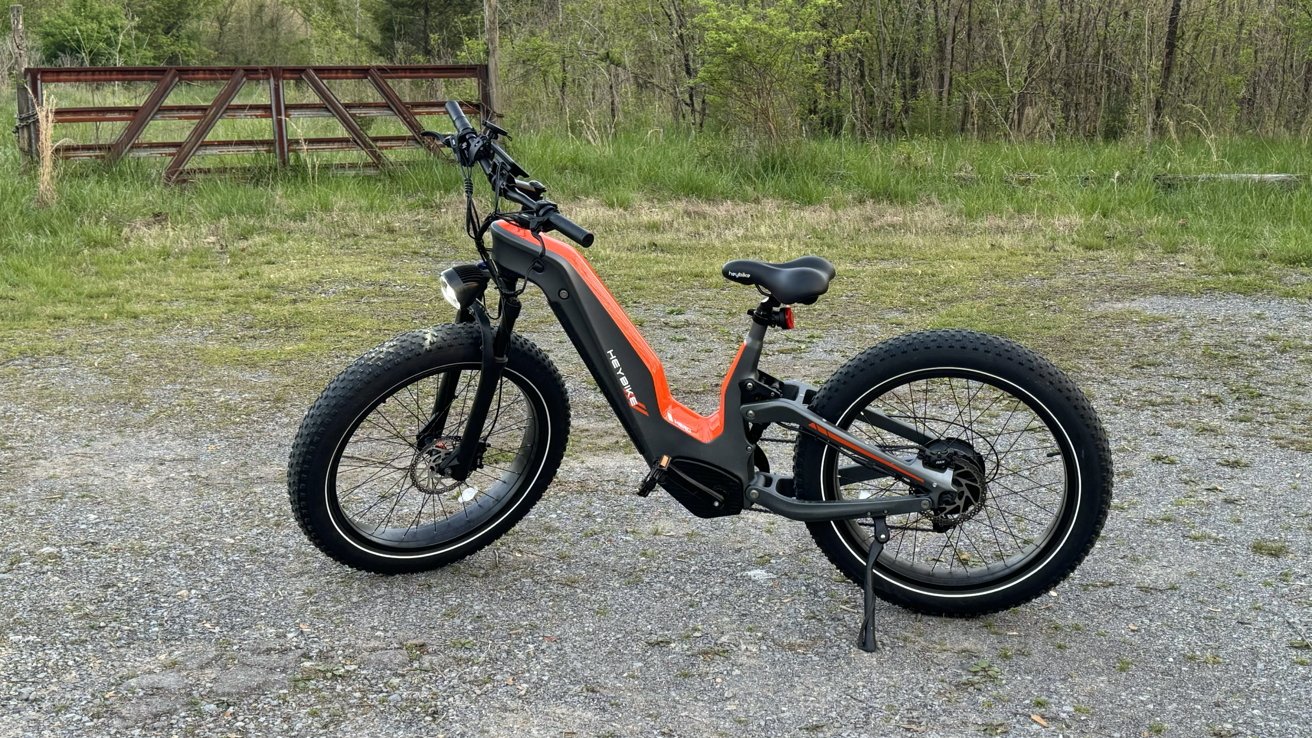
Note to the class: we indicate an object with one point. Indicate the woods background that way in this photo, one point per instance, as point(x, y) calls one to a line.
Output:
point(1018, 69)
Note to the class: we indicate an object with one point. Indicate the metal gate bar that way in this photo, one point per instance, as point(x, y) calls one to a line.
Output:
point(129, 143)
point(143, 116)
point(352, 128)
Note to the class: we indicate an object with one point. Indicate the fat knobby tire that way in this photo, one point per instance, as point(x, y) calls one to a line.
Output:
point(1016, 364)
point(360, 387)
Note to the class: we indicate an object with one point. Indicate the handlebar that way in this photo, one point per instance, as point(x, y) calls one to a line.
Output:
point(569, 228)
point(503, 171)
point(458, 118)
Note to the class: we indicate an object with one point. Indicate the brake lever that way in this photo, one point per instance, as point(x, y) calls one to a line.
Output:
point(444, 139)
point(496, 130)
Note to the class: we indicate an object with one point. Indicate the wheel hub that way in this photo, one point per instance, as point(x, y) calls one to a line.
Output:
point(426, 467)
point(968, 482)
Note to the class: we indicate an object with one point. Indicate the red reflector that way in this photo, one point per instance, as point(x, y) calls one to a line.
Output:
point(789, 322)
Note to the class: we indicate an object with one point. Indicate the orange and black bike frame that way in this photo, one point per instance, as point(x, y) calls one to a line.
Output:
point(709, 463)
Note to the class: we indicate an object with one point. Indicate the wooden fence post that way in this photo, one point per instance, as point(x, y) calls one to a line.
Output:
point(493, 31)
point(19, 37)
point(26, 107)
point(27, 122)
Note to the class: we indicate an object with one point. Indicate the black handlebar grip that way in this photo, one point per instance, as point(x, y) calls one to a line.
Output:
point(458, 118)
point(575, 232)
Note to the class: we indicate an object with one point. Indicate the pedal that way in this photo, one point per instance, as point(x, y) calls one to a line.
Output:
point(654, 476)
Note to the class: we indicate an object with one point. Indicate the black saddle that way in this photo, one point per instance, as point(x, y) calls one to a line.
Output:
point(801, 280)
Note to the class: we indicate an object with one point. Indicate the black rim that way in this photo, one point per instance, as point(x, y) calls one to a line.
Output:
point(383, 489)
point(1012, 459)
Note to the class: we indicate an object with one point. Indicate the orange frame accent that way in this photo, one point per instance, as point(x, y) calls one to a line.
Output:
point(858, 449)
point(703, 428)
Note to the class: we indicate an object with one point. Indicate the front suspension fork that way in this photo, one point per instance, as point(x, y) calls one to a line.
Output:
point(496, 343)
point(446, 394)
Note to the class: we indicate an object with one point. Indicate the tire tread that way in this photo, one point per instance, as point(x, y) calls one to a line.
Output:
point(369, 369)
point(855, 377)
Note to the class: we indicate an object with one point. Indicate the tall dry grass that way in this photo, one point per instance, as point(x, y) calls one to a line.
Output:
point(46, 194)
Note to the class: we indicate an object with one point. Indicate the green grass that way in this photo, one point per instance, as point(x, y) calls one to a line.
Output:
point(1107, 188)
point(926, 233)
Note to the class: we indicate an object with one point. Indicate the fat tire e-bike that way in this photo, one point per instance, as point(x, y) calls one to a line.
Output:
point(949, 472)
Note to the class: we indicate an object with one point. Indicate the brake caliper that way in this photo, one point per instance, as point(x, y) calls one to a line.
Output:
point(968, 482)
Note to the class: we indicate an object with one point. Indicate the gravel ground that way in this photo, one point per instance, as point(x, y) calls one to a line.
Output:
point(152, 581)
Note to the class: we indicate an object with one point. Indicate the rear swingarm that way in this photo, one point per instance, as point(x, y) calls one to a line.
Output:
point(935, 486)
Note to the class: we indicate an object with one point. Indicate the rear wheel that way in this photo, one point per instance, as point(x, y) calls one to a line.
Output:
point(364, 474)
point(1030, 462)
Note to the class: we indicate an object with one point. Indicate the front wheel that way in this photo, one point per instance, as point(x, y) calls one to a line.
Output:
point(1030, 461)
point(364, 476)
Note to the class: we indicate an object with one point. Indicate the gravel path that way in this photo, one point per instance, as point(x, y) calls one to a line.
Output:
point(152, 581)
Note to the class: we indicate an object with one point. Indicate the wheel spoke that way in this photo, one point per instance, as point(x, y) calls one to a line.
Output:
point(982, 425)
point(401, 500)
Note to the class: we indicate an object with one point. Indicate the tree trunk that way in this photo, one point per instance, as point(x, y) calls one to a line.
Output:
point(967, 105)
point(493, 32)
point(427, 45)
point(1168, 60)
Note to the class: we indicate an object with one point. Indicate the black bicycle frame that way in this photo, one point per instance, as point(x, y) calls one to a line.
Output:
point(709, 463)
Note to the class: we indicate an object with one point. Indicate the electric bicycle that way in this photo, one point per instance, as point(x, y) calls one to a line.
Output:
point(950, 472)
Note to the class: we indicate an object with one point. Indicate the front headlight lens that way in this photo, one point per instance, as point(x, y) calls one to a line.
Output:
point(449, 291)
point(463, 285)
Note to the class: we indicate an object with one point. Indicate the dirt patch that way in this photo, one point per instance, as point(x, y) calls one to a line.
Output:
point(153, 581)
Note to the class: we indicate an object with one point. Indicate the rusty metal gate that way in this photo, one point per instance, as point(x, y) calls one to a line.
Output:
point(129, 142)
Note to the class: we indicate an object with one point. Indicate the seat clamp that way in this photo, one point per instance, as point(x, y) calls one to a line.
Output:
point(769, 314)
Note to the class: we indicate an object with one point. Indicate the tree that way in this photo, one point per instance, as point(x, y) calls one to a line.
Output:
point(87, 32)
point(762, 60)
point(426, 30)
point(258, 32)
point(169, 31)
point(1168, 60)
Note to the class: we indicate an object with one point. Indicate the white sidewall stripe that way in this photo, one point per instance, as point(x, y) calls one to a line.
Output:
point(1079, 487)
point(328, 482)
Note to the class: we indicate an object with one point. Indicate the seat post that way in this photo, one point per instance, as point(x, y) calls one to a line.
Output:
point(756, 333)
point(768, 314)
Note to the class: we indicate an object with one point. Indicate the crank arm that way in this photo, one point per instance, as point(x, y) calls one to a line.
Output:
point(763, 491)
point(795, 413)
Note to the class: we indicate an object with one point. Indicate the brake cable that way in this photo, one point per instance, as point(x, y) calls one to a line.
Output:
point(477, 227)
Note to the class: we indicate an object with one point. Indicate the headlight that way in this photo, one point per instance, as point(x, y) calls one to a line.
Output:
point(449, 292)
point(462, 285)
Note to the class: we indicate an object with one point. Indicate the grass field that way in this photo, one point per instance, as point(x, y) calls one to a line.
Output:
point(990, 235)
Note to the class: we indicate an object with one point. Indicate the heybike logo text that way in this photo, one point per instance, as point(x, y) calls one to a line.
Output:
point(624, 382)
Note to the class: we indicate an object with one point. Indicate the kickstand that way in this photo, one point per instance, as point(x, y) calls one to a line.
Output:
point(878, 537)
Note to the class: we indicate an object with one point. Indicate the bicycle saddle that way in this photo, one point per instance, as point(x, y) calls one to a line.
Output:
point(801, 280)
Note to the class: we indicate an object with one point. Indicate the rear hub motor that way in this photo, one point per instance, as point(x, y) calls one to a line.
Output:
point(968, 481)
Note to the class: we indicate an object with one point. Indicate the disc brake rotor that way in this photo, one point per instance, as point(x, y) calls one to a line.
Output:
point(968, 481)
point(428, 460)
